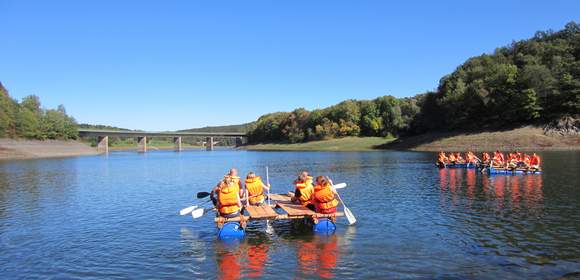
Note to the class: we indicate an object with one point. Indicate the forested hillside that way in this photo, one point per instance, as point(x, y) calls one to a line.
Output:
point(531, 81)
point(28, 120)
point(242, 128)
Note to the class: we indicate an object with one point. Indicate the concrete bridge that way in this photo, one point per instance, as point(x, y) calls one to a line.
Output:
point(103, 137)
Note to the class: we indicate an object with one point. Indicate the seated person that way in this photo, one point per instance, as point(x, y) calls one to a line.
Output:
point(324, 196)
point(255, 189)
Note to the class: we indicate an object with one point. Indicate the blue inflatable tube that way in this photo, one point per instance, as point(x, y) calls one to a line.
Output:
point(492, 170)
point(324, 226)
point(459, 165)
point(231, 230)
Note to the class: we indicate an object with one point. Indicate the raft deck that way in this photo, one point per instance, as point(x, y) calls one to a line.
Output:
point(282, 201)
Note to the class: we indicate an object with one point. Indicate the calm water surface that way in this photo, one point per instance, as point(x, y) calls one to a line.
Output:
point(117, 216)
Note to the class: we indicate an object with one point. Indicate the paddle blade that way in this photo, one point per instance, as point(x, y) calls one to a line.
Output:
point(198, 213)
point(202, 194)
point(187, 210)
point(349, 216)
point(339, 186)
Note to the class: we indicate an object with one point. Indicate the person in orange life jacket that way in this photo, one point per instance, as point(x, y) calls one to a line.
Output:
point(324, 197)
point(512, 160)
point(255, 189)
point(485, 157)
point(536, 161)
point(498, 159)
point(233, 173)
point(452, 158)
point(229, 204)
point(527, 161)
point(303, 190)
point(459, 159)
point(442, 158)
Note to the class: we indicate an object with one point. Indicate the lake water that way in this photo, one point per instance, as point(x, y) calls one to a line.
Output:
point(116, 216)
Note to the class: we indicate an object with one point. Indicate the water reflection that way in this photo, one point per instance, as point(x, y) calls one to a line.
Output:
point(316, 256)
point(509, 190)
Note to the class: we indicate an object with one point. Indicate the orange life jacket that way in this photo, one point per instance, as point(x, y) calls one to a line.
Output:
point(536, 160)
point(451, 157)
point(324, 197)
point(254, 187)
point(306, 191)
point(236, 181)
point(228, 199)
point(442, 157)
point(485, 157)
point(527, 159)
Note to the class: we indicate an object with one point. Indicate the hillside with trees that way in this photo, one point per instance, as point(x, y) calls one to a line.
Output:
point(241, 128)
point(534, 81)
point(27, 119)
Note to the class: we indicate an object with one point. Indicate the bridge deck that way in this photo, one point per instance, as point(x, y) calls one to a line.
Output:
point(121, 133)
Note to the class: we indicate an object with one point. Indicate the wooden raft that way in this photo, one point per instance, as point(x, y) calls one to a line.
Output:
point(261, 212)
point(294, 209)
point(282, 201)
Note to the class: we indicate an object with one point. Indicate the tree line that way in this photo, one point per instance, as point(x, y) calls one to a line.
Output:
point(530, 81)
point(27, 119)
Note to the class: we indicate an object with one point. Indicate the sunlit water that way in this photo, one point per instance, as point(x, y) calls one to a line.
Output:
point(117, 216)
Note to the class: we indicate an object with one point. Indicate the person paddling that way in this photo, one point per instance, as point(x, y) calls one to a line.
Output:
point(442, 160)
point(452, 158)
point(485, 157)
point(324, 197)
point(233, 174)
point(255, 189)
point(303, 190)
point(459, 159)
point(229, 203)
point(535, 162)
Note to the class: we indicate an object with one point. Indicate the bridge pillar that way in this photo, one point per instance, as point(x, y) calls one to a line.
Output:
point(177, 142)
point(239, 141)
point(142, 147)
point(209, 143)
point(103, 144)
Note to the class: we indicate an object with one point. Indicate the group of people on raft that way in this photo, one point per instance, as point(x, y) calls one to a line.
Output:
point(230, 195)
point(497, 159)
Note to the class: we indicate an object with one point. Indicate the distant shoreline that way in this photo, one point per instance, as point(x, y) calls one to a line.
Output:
point(15, 149)
point(524, 139)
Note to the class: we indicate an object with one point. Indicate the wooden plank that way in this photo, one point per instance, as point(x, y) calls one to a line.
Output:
point(263, 211)
point(283, 217)
point(279, 197)
point(295, 209)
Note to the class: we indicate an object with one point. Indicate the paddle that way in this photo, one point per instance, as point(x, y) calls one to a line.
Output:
point(200, 212)
point(349, 215)
point(188, 210)
point(339, 186)
point(269, 228)
point(202, 194)
point(268, 183)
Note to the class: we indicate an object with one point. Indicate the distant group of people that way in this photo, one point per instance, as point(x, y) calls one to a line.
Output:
point(456, 158)
point(230, 195)
point(496, 160)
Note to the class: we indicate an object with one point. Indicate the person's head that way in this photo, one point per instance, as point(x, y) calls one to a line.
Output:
point(321, 180)
point(304, 173)
point(251, 175)
point(226, 181)
point(233, 172)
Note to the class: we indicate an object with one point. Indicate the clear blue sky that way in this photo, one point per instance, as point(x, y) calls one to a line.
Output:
point(166, 65)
